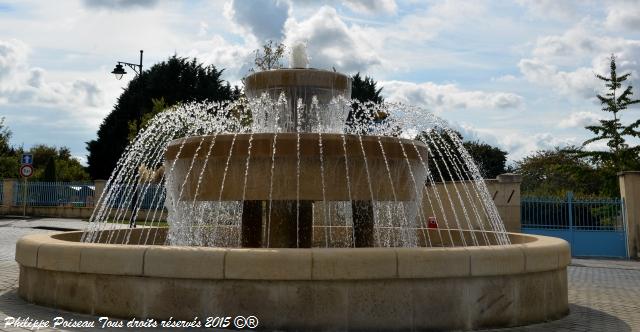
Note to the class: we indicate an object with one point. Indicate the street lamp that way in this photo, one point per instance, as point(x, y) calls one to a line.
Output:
point(119, 71)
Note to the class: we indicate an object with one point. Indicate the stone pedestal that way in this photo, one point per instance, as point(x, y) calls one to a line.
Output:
point(8, 186)
point(630, 193)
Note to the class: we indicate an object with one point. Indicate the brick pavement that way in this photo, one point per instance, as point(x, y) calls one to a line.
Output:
point(604, 295)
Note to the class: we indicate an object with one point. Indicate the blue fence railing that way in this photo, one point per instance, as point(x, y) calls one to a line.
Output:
point(152, 196)
point(599, 214)
point(72, 194)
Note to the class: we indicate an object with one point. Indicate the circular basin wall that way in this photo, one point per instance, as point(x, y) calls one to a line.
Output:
point(309, 289)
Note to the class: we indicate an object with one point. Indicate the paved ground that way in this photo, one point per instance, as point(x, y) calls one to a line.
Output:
point(604, 295)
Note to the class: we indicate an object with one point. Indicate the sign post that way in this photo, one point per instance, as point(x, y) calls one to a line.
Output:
point(26, 170)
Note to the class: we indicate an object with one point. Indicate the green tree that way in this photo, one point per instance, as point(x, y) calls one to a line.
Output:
point(176, 80)
point(554, 172)
point(491, 160)
point(270, 57)
point(365, 91)
point(445, 156)
point(55, 164)
point(5, 136)
point(620, 156)
point(50, 171)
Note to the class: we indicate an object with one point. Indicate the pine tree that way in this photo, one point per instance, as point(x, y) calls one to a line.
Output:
point(620, 156)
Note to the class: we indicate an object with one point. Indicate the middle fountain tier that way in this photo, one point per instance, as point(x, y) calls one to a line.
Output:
point(299, 178)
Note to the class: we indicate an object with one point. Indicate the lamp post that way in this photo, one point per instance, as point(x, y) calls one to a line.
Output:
point(119, 71)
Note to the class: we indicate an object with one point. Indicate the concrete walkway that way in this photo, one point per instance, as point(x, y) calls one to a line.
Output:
point(604, 295)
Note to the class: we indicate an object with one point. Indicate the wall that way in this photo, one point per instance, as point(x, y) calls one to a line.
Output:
point(504, 191)
point(630, 193)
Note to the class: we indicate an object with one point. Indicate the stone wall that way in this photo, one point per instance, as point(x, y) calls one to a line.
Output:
point(630, 193)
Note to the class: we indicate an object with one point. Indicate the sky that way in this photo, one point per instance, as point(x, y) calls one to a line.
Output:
point(518, 74)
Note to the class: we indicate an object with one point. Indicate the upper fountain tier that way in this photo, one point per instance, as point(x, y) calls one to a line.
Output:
point(300, 84)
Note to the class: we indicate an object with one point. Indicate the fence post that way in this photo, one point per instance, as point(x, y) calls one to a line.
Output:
point(570, 213)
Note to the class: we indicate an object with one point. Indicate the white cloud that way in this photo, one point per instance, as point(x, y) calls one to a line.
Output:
point(12, 57)
point(372, 6)
point(236, 59)
point(21, 84)
point(583, 51)
point(623, 15)
point(119, 4)
point(262, 19)
point(579, 119)
point(446, 97)
point(517, 143)
point(331, 43)
point(558, 10)
point(580, 81)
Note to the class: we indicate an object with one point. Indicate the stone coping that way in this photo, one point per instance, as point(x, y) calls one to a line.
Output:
point(530, 253)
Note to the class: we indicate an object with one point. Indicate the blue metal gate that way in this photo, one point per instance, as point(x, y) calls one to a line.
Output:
point(593, 227)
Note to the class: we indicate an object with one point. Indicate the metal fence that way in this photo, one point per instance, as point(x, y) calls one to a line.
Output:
point(596, 214)
point(1, 192)
point(153, 196)
point(593, 226)
point(43, 194)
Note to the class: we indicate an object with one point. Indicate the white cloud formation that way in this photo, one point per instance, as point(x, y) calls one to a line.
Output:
point(262, 19)
point(583, 51)
point(623, 15)
point(119, 4)
point(372, 6)
point(236, 59)
point(331, 42)
point(517, 143)
point(12, 57)
point(579, 119)
point(557, 10)
point(21, 84)
point(446, 97)
point(580, 81)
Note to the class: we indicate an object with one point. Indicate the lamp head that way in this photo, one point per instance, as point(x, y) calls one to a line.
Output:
point(118, 71)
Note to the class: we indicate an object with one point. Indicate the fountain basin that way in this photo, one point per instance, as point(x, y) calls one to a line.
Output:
point(308, 289)
point(379, 168)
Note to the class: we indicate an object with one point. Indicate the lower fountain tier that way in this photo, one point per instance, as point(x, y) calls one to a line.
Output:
point(291, 166)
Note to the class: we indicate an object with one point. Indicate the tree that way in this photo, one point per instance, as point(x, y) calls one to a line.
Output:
point(620, 156)
point(55, 164)
point(491, 160)
point(50, 171)
point(445, 157)
point(175, 80)
point(554, 172)
point(270, 57)
point(5, 136)
point(365, 91)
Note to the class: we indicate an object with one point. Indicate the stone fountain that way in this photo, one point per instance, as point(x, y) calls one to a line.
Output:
point(297, 220)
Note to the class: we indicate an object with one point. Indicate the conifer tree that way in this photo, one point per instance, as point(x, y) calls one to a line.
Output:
point(620, 156)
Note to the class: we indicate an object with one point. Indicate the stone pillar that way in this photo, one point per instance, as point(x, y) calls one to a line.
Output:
point(8, 186)
point(630, 193)
point(99, 189)
point(507, 200)
point(362, 212)
point(282, 229)
point(251, 233)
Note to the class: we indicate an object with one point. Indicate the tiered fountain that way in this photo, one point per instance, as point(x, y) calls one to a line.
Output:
point(285, 208)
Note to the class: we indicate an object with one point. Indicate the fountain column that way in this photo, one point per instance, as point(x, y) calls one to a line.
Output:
point(290, 222)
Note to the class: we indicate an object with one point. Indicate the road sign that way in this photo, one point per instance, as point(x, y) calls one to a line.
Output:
point(27, 159)
point(26, 171)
